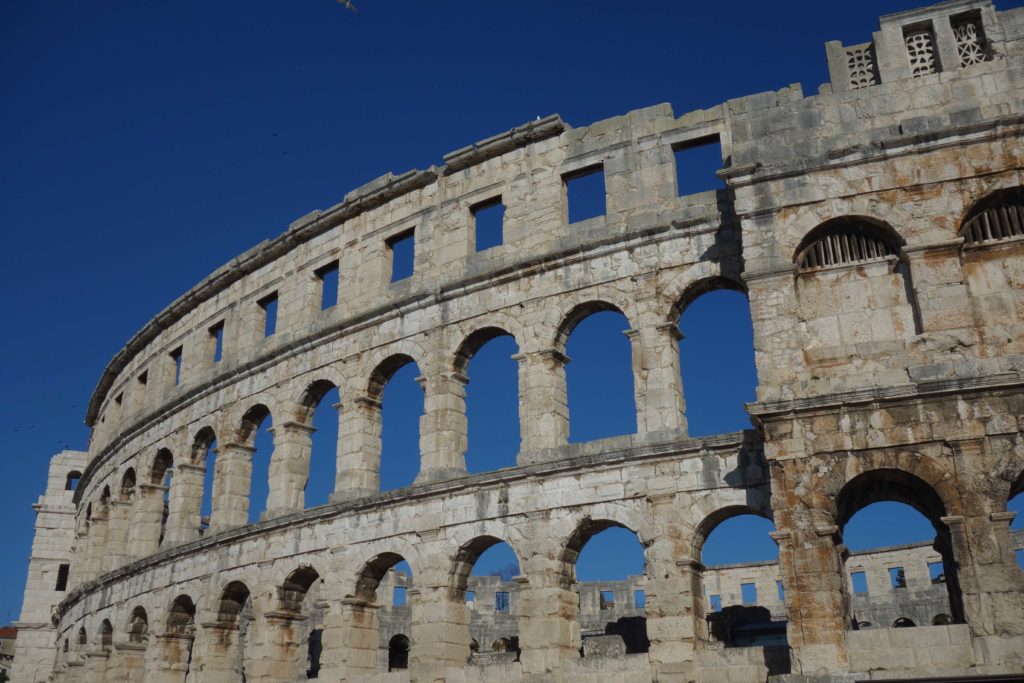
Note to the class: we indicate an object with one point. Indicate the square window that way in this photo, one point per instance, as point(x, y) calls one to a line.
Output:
point(696, 163)
point(399, 597)
point(217, 336)
point(489, 219)
point(860, 583)
point(639, 600)
point(62, 577)
point(937, 572)
point(897, 577)
point(716, 603)
point(585, 193)
point(403, 255)
point(607, 599)
point(328, 277)
point(501, 601)
point(176, 359)
point(749, 593)
point(268, 305)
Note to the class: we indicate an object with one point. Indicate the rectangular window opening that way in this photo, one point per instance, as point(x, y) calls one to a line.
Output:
point(639, 600)
point(399, 597)
point(144, 378)
point(585, 193)
point(1020, 557)
point(217, 337)
point(860, 583)
point(696, 163)
point(119, 399)
point(403, 255)
point(489, 219)
point(501, 601)
point(781, 591)
point(937, 572)
point(748, 591)
point(607, 599)
point(897, 577)
point(716, 603)
point(176, 359)
point(470, 597)
point(268, 305)
point(62, 577)
point(328, 278)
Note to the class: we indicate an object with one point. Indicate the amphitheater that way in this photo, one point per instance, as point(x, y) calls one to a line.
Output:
point(876, 229)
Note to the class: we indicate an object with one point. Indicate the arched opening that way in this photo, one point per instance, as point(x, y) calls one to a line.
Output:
point(71, 483)
point(483, 581)
point(381, 609)
point(234, 617)
point(903, 622)
point(83, 639)
point(599, 378)
point(604, 564)
point(179, 636)
point(255, 433)
point(106, 636)
point(744, 600)
point(1015, 504)
point(942, 620)
point(300, 596)
point(900, 551)
point(492, 398)
point(716, 357)
point(204, 452)
point(395, 387)
point(398, 653)
point(997, 217)
point(161, 474)
point(320, 412)
point(138, 626)
point(128, 486)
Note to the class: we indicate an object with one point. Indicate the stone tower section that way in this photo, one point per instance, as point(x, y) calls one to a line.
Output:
point(876, 229)
point(49, 568)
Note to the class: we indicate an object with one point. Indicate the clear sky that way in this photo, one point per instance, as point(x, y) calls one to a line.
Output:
point(144, 144)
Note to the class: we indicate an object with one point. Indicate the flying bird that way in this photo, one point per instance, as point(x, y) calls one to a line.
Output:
point(348, 4)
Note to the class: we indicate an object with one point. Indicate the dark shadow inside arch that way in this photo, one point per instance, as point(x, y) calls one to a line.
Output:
point(234, 610)
point(299, 595)
point(716, 356)
point(897, 486)
point(138, 626)
point(492, 398)
point(161, 474)
point(599, 375)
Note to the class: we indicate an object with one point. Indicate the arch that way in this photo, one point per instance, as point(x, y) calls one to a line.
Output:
point(847, 239)
point(251, 421)
point(384, 371)
point(202, 441)
point(995, 217)
point(903, 622)
point(578, 314)
point(181, 616)
point(398, 652)
point(83, 639)
point(233, 600)
point(466, 558)
point(128, 485)
point(311, 398)
point(490, 398)
point(293, 591)
point(372, 573)
point(162, 464)
point(105, 637)
point(137, 626)
point(71, 482)
point(699, 288)
point(942, 619)
point(707, 526)
point(473, 342)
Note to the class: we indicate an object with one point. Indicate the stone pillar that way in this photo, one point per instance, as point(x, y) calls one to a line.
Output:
point(185, 505)
point(440, 630)
point(127, 663)
point(358, 472)
point(170, 659)
point(543, 404)
point(96, 666)
point(231, 483)
point(443, 427)
point(549, 627)
point(216, 656)
point(289, 468)
point(657, 382)
point(147, 518)
point(351, 640)
point(811, 565)
point(941, 300)
point(282, 654)
point(675, 617)
point(94, 545)
point(116, 553)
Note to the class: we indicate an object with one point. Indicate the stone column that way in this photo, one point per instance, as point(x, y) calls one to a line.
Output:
point(282, 655)
point(216, 657)
point(147, 518)
point(289, 468)
point(657, 383)
point(96, 666)
point(549, 627)
point(351, 640)
point(440, 630)
point(231, 483)
point(185, 505)
point(358, 472)
point(171, 658)
point(443, 427)
point(127, 663)
point(118, 524)
point(941, 301)
point(675, 616)
point(812, 569)
point(95, 543)
point(543, 404)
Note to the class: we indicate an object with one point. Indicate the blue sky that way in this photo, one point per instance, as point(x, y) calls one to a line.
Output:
point(145, 144)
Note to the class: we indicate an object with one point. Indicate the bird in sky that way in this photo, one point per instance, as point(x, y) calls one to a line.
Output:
point(348, 4)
